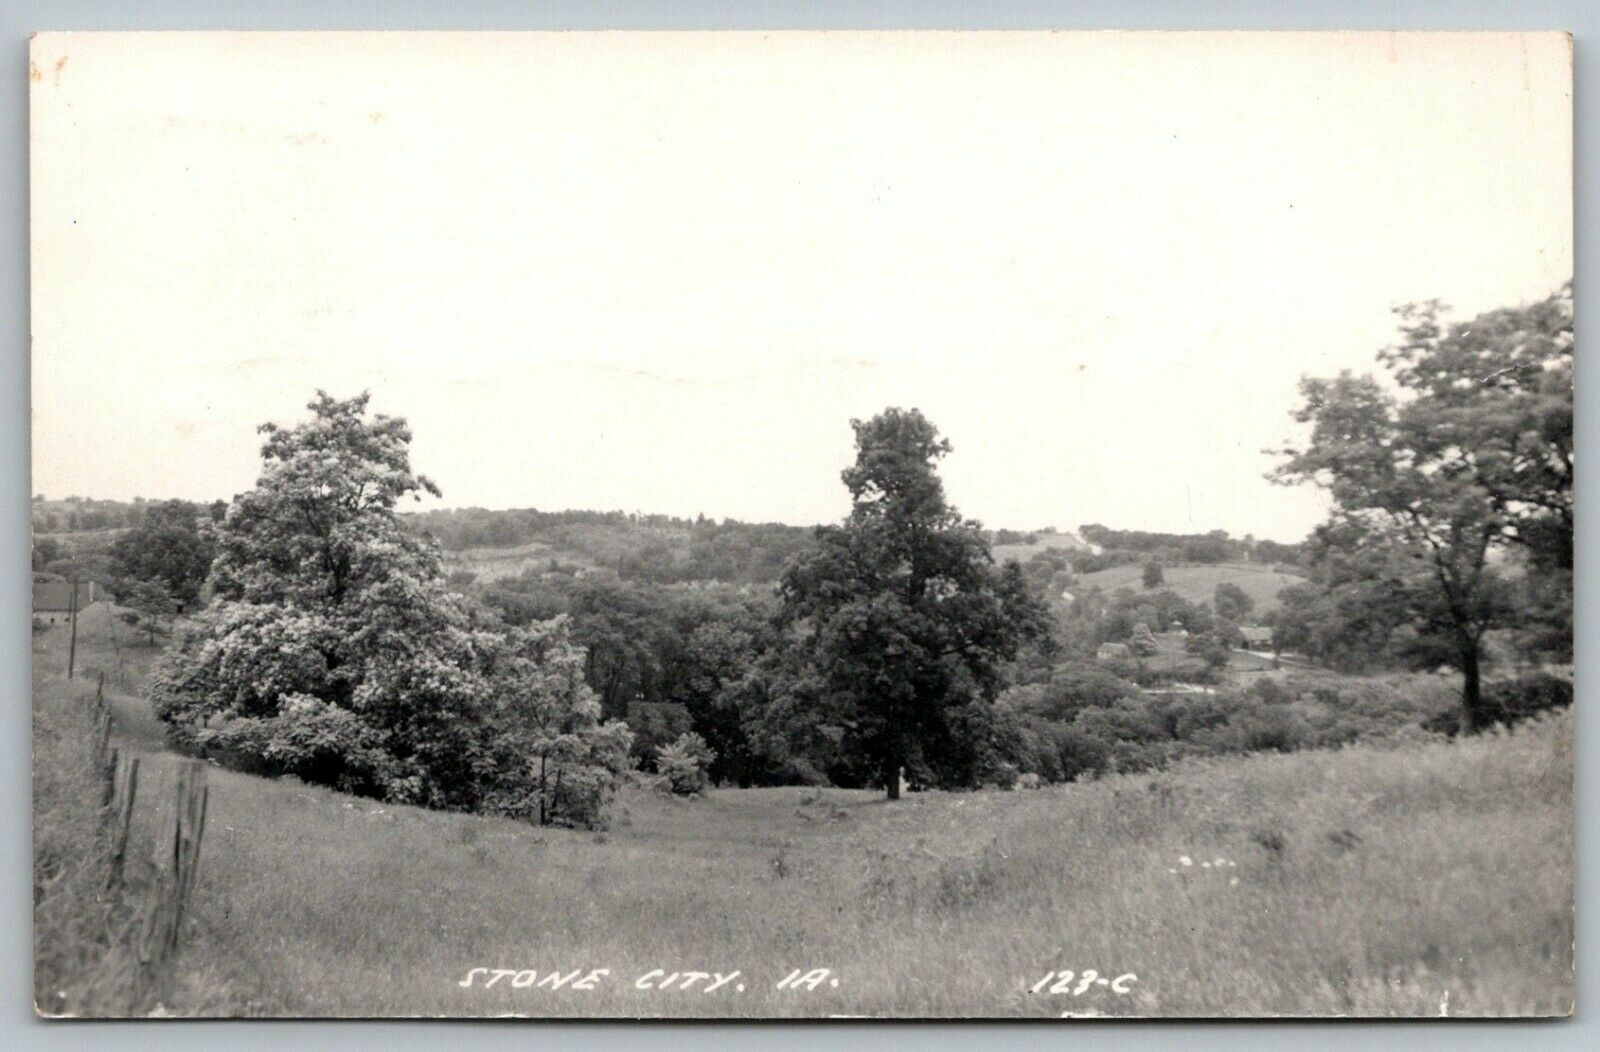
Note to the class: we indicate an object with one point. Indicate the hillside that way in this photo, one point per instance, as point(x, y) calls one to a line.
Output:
point(1198, 583)
point(1423, 877)
point(1042, 542)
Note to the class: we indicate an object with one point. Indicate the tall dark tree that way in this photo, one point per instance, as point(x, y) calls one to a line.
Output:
point(170, 548)
point(902, 618)
point(1468, 452)
point(1230, 602)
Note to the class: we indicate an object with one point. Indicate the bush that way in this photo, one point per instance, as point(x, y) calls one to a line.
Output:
point(1511, 701)
point(684, 764)
point(1268, 728)
point(1515, 700)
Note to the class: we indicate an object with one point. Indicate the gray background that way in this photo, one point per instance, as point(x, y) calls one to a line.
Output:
point(19, 18)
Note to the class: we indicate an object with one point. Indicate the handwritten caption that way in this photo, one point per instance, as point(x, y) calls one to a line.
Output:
point(1077, 984)
point(655, 980)
point(659, 980)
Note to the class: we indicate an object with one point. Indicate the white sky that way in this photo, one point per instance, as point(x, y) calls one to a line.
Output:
point(661, 272)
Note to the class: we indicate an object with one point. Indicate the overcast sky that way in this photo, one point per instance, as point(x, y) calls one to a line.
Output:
point(662, 272)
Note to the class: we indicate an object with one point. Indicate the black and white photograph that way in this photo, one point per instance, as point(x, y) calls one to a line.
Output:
point(908, 525)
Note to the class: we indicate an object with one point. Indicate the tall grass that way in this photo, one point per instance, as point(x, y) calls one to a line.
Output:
point(82, 931)
point(1374, 880)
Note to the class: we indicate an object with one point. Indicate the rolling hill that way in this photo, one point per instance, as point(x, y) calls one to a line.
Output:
point(1197, 583)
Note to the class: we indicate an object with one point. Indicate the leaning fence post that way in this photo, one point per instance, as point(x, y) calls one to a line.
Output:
point(164, 917)
point(127, 791)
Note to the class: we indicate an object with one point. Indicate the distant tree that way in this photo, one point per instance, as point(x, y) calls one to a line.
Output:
point(1210, 647)
point(560, 765)
point(1153, 577)
point(45, 551)
point(1472, 455)
point(902, 617)
point(1208, 549)
point(1072, 687)
point(1143, 641)
point(1231, 603)
point(147, 605)
point(684, 763)
point(168, 547)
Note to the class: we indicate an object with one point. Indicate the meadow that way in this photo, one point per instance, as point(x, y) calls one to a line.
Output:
point(1398, 878)
point(1198, 583)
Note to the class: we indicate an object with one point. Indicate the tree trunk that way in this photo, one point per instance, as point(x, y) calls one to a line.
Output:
point(891, 776)
point(1475, 719)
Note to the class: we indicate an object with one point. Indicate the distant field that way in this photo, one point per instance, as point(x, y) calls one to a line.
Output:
point(1422, 879)
point(1198, 583)
point(493, 564)
point(1044, 542)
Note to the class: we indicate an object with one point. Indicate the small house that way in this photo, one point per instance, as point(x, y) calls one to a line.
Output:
point(1113, 652)
point(54, 599)
point(1256, 637)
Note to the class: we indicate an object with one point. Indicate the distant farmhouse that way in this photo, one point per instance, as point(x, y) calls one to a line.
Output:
point(1256, 637)
point(1114, 652)
point(53, 599)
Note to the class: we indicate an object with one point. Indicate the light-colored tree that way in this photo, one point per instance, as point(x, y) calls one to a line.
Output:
point(559, 764)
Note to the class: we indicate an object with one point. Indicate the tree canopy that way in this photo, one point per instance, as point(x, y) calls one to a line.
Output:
point(902, 618)
point(335, 651)
point(1452, 479)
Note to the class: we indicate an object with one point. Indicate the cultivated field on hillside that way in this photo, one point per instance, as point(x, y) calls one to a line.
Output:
point(493, 564)
point(1066, 542)
point(1418, 878)
point(1198, 583)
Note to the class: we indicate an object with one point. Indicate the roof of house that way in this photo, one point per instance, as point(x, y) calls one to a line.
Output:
point(1256, 634)
point(56, 596)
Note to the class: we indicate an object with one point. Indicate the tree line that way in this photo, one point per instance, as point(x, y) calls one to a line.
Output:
point(891, 649)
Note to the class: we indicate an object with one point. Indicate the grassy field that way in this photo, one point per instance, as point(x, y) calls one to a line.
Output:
point(1042, 542)
point(1198, 583)
point(1406, 880)
point(492, 564)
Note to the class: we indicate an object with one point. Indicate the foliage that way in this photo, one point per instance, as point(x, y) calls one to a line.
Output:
point(1152, 576)
point(655, 549)
point(1211, 647)
point(1231, 603)
point(1142, 641)
point(1472, 456)
point(684, 763)
point(556, 762)
point(171, 548)
point(148, 605)
point(899, 610)
point(661, 655)
point(45, 551)
point(335, 652)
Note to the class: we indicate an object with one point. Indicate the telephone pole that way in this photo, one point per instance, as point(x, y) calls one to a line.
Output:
point(72, 613)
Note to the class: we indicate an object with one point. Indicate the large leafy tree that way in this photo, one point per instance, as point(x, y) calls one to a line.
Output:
point(1452, 482)
point(334, 650)
point(902, 620)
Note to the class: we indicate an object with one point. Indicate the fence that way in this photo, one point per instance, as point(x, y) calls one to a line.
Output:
point(176, 856)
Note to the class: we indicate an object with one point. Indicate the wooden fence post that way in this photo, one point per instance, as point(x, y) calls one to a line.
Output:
point(121, 817)
point(164, 917)
point(102, 757)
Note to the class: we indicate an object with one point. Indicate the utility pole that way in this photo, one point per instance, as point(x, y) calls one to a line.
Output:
point(72, 613)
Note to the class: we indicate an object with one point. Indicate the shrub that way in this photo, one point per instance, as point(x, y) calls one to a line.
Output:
point(1268, 728)
point(1511, 701)
point(684, 763)
point(1515, 700)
